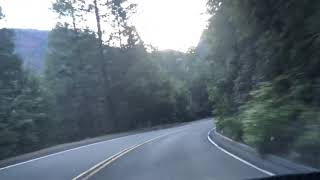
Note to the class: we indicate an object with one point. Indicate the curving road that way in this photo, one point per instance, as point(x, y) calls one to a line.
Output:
point(182, 152)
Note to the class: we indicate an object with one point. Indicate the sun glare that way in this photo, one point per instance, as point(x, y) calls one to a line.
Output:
point(165, 24)
point(171, 24)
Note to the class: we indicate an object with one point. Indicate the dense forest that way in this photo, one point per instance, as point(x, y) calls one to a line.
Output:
point(264, 60)
point(256, 70)
point(93, 83)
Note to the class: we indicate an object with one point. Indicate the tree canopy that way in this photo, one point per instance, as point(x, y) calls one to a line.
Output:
point(265, 74)
point(94, 82)
point(255, 69)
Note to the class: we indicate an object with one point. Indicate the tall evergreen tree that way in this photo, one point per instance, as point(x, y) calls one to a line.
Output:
point(69, 9)
point(124, 33)
point(22, 110)
point(10, 78)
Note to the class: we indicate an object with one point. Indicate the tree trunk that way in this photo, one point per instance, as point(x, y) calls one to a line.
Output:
point(73, 20)
point(109, 105)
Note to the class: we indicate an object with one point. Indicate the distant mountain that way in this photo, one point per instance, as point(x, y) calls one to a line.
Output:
point(31, 46)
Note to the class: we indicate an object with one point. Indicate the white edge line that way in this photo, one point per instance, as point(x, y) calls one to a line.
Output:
point(61, 152)
point(57, 153)
point(238, 158)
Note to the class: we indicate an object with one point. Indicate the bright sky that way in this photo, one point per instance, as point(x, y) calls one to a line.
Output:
point(166, 24)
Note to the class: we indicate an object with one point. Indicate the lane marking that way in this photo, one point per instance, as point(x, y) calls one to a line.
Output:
point(65, 151)
point(101, 163)
point(54, 154)
point(238, 158)
point(93, 170)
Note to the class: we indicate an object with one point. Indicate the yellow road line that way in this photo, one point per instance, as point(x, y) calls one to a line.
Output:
point(93, 170)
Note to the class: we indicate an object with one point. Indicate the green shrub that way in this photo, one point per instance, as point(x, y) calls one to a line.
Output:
point(277, 124)
point(307, 144)
point(269, 128)
point(269, 122)
point(230, 127)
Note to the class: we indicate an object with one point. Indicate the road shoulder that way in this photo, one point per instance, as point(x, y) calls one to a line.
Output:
point(269, 163)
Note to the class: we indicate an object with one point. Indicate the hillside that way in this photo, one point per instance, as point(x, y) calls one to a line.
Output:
point(31, 46)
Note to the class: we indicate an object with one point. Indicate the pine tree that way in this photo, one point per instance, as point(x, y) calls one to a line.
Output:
point(22, 107)
point(10, 78)
point(69, 9)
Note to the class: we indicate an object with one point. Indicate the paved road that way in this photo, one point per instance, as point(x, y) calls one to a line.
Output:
point(175, 153)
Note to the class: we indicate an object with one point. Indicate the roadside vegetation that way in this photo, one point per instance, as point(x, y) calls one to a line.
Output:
point(265, 65)
point(93, 83)
point(256, 70)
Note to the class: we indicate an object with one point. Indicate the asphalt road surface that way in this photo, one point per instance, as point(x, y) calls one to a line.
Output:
point(179, 153)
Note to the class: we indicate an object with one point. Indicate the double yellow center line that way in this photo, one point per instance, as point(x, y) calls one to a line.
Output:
point(93, 170)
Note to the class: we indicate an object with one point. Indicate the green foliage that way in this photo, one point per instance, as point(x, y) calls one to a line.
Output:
point(269, 121)
point(10, 76)
point(90, 88)
point(29, 108)
point(124, 34)
point(221, 101)
point(308, 143)
point(69, 9)
point(265, 73)
point(69, 81)
point(64, 7)
point(21, 103)
point(231, 127)
point(147, 88)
